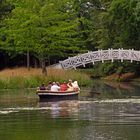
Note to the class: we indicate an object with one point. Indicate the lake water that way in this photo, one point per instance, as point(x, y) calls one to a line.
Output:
point(106, 111)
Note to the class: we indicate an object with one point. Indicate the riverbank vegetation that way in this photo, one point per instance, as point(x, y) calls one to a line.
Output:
point(22, 78)
point(41, 33)
point(121, 72)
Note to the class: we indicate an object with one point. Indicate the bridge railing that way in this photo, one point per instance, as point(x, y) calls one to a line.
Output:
point(100, 55)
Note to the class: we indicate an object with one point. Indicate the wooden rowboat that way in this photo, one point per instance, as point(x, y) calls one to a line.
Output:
point(46, 94)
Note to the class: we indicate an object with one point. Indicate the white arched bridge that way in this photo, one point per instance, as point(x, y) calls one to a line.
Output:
point(100, 55)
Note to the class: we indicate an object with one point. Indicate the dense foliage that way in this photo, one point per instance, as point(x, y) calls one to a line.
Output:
point(46, 31)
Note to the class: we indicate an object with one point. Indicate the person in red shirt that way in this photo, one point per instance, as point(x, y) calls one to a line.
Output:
point(63, 87)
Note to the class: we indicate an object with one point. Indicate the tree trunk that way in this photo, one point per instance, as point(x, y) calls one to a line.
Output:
point(44, 70)
point(35, 63)
point(49, 63)
point(28, 60)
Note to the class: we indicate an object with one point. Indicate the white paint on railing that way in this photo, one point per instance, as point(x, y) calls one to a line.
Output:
point(100, 55)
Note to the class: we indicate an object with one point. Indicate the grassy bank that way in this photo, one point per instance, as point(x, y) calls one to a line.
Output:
point(126, 77)
point(22, 78)
point(118, 77)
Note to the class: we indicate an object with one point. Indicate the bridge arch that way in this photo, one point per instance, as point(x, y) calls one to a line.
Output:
point(100, 55)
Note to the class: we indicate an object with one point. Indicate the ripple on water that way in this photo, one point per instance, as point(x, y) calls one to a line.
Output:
point(17, 109)
point(113, 101)
point(7, 112)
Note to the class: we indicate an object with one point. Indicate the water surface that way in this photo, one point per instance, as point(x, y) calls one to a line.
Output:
point(106, 111)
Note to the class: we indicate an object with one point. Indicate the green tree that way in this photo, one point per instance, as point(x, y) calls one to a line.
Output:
point(46, 28)
point(5, 9)
point(57, 25)
point(99, 33)
point(124, 24)
point(85, 11)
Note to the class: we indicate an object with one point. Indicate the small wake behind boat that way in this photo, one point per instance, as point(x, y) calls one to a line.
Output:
point(46, 94)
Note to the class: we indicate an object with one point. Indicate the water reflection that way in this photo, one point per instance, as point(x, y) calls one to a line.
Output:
point(64, 109)
point(110, 113)
point(20, 98)
point(111, 90)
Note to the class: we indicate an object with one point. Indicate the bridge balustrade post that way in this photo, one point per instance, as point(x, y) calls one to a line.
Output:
point(101, 55)
point(139, 56)
point(74, 68)
point(120, 54)
point(111, 57)
point(119, 57)
point(131, 55)
point(92, 60)
point(83, 65)
point(110, 54)
point(61, 63)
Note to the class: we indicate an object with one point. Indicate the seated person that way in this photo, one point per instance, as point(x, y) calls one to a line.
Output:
point(63, 86)
point(58, 84)
point(75, 86)
point(55, 87)
point(70, 86)
point(49, 86)
point(42, 87)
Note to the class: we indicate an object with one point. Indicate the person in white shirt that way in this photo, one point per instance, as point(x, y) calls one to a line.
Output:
point(55, 87)
point(75, 86)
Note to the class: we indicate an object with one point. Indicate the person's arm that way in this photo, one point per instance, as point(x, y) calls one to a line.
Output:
point(68, 85)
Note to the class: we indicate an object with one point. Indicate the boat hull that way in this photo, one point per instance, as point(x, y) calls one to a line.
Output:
point(49, 95)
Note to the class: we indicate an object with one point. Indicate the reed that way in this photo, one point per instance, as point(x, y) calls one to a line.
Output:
point(24, 72)
point(64, 75)
point(22, 78)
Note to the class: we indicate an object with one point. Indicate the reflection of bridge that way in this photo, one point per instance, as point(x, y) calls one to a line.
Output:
point(100, 55)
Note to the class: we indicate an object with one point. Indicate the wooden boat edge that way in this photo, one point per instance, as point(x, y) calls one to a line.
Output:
point(59, 93)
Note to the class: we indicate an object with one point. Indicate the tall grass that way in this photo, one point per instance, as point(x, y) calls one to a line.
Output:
point(22, 78)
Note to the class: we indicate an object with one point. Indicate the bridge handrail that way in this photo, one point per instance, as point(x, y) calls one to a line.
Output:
point(100, 55)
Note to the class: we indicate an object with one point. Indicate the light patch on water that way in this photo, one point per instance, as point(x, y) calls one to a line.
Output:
point(17, 109)
point(113, 101)
point(7, 112)
point(34, 108)
point(120, 101)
